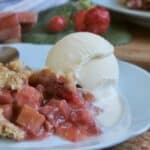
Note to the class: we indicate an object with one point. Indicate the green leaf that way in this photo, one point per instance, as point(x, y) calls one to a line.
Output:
point(44, 38)
point(118, 34)
point(84, 4)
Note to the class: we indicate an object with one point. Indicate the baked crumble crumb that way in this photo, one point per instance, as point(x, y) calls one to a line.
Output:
point(9, 130)
point(13, 75)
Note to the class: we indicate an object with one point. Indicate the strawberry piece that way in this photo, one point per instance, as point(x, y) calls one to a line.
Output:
point(29, 96)
point(30, 119)
point(5, 97)
point(7, 111)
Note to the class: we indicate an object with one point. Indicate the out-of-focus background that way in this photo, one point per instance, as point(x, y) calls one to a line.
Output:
point(28, 5)
point(129, 28)
point(125, 24)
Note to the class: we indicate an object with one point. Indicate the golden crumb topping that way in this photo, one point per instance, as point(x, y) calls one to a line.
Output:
point(13, 75)
point(9, 130)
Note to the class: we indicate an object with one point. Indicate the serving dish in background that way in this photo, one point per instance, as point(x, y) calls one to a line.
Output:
point(139, 17)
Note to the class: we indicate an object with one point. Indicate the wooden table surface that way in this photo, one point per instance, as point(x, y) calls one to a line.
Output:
point(137, 52)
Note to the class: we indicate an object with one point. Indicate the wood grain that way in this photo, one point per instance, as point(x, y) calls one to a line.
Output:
point(139, 143)
point(138, 51)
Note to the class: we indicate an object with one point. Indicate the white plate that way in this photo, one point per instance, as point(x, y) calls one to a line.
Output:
point(134, 87)
point(136, 16)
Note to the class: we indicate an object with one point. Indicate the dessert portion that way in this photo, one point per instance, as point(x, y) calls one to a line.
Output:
point(68, 110)
point(73, 97)
point(137, 4)
point(36, 104)
point(90, 60)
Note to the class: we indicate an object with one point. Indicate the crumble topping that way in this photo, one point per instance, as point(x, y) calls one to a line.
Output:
point(9, 130)
point(13, 75)
point(34, 104)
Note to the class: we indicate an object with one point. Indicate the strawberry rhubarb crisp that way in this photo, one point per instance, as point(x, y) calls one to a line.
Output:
point(34, 105)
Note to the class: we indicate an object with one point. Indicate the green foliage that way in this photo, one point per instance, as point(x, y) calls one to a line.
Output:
point(116, 34)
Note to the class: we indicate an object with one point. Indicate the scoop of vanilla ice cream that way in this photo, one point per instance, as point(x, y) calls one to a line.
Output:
point(78, 52)
point(90, 59)
point(98, 71)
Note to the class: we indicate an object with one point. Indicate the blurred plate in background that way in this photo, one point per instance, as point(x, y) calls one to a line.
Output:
point(28, 5)
point(136, 16)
